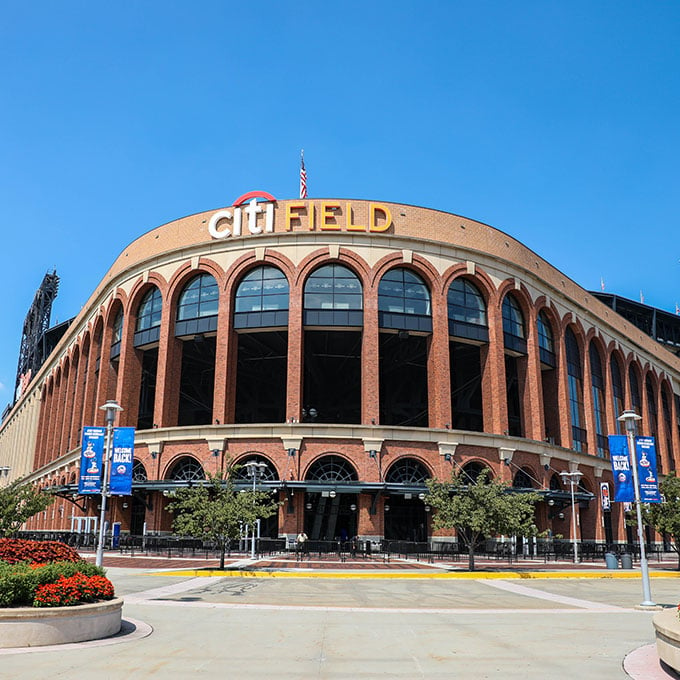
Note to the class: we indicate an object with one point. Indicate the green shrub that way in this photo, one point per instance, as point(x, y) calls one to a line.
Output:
point(16, 585)
point(19, 582)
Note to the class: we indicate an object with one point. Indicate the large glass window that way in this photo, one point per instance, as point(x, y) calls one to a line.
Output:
point(668, 427)
point(261, 290)
point(546, 342)
point(150, 310)
point(575, 379)
point(617, 393)
point(117, 334)
point(634, 390)
point(467, 312)
point(465, 303)
point(598, 399)
point(403, 292)
point(333, 287)
point(200, 298)
point(513, 319)
point(117, 327)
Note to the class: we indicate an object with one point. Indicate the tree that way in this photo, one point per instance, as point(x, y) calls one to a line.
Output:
point(665, 516)
point(18, 502)
point(481, 508)
point(215, 510)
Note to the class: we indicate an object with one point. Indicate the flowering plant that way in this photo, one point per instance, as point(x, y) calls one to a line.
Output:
point(71, 590)
point(13, 550)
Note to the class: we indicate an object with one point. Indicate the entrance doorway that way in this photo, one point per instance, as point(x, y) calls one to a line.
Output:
point(405, 519)
point(330, 516)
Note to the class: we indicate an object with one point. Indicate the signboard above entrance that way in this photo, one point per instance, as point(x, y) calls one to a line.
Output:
point(256, 210)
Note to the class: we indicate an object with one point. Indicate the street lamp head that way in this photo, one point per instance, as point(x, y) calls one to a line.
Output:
point(629, 417)
point(111, 407)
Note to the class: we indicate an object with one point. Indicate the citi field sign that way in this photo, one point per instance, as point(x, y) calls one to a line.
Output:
point(253, 213)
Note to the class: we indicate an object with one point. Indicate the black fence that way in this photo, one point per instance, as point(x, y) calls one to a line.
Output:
point(385, 550)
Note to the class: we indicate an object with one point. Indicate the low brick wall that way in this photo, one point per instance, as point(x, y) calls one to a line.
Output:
point(38, 627)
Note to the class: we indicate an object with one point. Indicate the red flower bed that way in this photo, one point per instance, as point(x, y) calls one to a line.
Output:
point(72, 590)
point(13, 550)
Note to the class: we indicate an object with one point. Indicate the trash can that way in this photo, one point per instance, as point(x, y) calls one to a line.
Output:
point(612, 560)
point(626, 561)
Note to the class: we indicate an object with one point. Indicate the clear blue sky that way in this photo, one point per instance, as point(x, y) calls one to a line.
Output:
point(556, 122)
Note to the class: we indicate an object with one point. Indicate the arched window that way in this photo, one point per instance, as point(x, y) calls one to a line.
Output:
point(652, 417)
point(546, 343)
point(668, 426)
point(266, 474)
point(471, 472)
point(407, 471)
point(117, 334)
point(404, 301)
point(187, 469)
point(634, 390)
point(262, 299)
point(139, 472)
point(333, 286)
point(598, 399)
point(522, 480)
point(467, 311)
point(150, 309)
point(514, 328)
point(199, 299)
point(575, 376)
point(332, 469)
point(617, 392)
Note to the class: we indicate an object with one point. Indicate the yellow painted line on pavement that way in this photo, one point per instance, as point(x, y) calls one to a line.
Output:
point(476, 575)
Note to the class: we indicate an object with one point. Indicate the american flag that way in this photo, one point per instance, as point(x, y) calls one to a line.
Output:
point(303, 176)
point(677, 308)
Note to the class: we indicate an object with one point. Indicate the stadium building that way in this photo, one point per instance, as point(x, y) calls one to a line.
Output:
point(353, 348)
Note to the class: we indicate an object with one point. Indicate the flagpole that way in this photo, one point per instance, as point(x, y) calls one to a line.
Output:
point(303, 175)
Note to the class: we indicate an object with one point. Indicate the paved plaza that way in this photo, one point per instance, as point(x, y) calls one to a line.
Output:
point(400, 622)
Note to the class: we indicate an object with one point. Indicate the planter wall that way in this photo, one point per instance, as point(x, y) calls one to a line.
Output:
point(667, 627)
point(37, 627)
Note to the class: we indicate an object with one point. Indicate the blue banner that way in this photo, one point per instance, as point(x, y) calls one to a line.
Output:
point(645, 453)
point(623, 475)
point(91, 456)
point(122, 458)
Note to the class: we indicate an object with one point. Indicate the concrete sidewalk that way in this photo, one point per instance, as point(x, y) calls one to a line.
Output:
point(367, 627)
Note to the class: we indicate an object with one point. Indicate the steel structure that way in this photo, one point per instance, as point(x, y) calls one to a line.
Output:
point(33, 351)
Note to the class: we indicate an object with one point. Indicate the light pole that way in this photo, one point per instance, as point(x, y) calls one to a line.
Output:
point(629, 418)
point(111, 407)
point(254, 470)
point(572, 478)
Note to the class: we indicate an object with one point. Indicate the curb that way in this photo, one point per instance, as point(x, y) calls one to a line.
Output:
point(475, 575)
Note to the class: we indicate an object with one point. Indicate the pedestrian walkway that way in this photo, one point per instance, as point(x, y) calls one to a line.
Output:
point(218, 626)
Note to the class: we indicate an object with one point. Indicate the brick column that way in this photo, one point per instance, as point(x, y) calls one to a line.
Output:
point(225, 365)
point(532, 396)
point(57, 407)
point(370, 360)
point(166, 405)
point(129, 375)
point(105, 372)
point(563, 393)
point(588, 402)
point(295, 354)
point(439, 365)
point(90, 405)
point(76, 405)
point(494, 396)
